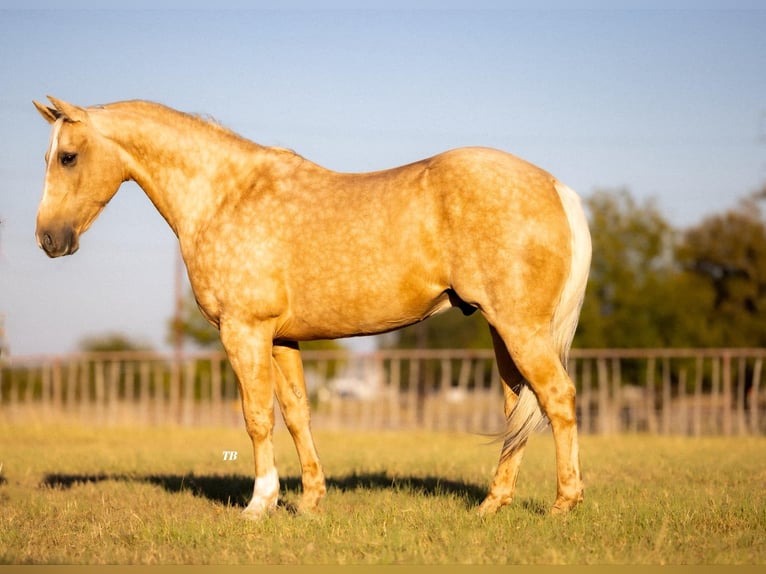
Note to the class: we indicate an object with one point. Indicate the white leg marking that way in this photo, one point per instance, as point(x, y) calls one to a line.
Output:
point(265, 494)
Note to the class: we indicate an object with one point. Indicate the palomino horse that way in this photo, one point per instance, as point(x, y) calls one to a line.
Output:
point(280, 250)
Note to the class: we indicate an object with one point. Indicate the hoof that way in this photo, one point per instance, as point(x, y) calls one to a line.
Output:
point(309, 514)
point(491, 505)
point(257, 512)
point(309, 503)
point(308, 509)
point(265, 495)
point(564, 505)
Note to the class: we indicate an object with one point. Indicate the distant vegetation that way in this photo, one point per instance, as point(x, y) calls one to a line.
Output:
point(111, 342)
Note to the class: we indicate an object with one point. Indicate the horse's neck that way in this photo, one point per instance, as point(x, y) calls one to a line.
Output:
point(181, 165)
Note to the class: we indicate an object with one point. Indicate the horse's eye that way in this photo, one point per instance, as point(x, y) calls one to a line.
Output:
point(68, 159)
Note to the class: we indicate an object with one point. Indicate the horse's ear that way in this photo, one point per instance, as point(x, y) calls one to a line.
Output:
point(49, 114)
point(68, 111)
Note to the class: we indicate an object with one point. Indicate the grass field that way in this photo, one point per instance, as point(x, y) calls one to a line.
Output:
point(166, 496)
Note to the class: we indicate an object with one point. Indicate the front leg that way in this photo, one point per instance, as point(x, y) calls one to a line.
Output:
point(249, 349)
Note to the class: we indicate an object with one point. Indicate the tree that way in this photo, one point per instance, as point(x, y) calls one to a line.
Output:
point(633, 288)
point(111, 342)
point(726, 255)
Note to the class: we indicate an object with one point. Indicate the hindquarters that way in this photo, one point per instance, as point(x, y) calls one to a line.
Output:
point(505, 234)
point(520, 252)
point(515, 242)
point(548, 339)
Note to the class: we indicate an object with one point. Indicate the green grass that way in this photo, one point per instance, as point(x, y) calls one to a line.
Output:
point(165, 496)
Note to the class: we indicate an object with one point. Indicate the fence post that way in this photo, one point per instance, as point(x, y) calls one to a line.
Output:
point(478, 403)
point(378, 412)
point(188, 383)
point(604, 416)
point(727, 422)
point(144, 373)
point(683, 422)
point(86, 400)
point(697, 416)
point(56, 384)
point(586, 369)
point(71, 382)
point(462, 385)
point(366, 416)
point(754, 401)
point(98, 368)
point(616, 395)
point(113, 391)
point(666, 397)
point(215, 391)
point(130, 382)
point(741, 381)
point(651, 414)
point(394, 392)
point(445, 382)
point(715, 397)
point(45, 384)
point(412, 393)
point(159, 399)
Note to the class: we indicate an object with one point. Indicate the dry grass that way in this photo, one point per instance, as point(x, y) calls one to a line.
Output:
point(166, 496)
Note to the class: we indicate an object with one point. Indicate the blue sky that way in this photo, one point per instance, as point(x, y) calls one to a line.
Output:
point(670, 104)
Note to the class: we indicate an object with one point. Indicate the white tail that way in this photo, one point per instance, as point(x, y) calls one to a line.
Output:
point(527, 416)
point(568, 310)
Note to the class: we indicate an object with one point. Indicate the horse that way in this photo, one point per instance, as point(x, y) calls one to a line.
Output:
point(280, 250)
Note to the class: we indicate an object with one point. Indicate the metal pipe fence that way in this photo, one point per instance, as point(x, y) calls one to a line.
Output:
point(660, 391)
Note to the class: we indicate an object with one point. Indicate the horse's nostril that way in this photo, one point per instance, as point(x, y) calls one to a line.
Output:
point(47, 240)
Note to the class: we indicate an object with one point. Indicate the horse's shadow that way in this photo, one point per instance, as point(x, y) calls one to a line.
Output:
point(235, 490)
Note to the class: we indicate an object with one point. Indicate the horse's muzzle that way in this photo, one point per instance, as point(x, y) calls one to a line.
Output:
point(58, 242)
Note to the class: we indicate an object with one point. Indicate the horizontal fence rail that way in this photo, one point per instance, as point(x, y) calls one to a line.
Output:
point(660, 391)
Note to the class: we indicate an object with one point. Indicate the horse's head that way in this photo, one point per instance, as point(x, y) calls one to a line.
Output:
point(84, 171)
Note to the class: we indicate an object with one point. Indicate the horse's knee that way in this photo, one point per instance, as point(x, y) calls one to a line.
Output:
point(259, 425)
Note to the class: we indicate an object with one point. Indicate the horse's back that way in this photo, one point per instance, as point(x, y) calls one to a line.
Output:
point(489, 175)
point(491, 197)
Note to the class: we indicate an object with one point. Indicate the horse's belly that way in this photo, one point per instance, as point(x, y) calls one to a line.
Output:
point(348, 317)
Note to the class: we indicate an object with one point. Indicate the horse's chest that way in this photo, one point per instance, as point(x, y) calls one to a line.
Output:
point(227, 278)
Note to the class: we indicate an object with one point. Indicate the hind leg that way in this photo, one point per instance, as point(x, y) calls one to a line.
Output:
point(541, 367)
point(504, 483)
point(532, 352)
point(290, 388)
